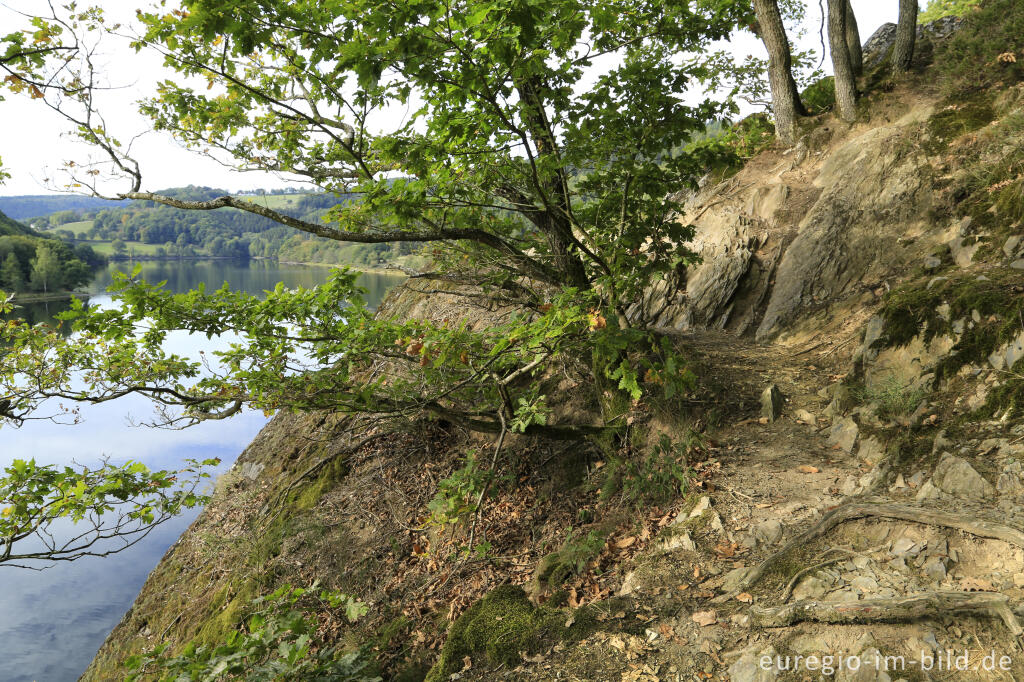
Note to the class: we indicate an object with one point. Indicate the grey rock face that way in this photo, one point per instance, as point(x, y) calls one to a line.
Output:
point(879, 46)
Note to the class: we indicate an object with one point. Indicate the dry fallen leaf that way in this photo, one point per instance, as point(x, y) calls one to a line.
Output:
point(807, 469)
point(745, 597)
point(705, 618)
point(626, 542)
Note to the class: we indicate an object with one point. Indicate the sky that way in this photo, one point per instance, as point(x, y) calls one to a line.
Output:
point(33, 143)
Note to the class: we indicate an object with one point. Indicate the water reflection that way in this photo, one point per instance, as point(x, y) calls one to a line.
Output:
point(253, 276)
point(51, 623)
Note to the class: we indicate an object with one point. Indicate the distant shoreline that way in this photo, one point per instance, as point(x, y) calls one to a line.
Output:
point(49, 296)
point(358, 268)
point(350, 266)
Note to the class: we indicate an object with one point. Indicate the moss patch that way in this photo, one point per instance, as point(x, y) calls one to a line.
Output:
point(912, 309)
point(957, 119)
point(998, 298)
point(502, 625)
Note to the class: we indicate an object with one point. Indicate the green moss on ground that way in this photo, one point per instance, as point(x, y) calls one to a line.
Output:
point(969, 59)
point(998, 298)
point(956, 119)
point(503, 625)
point(913, 309)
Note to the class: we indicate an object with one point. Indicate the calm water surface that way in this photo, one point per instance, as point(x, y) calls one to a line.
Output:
point(52, 622)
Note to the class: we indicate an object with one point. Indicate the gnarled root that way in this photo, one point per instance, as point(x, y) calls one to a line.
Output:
point(861, 510)
point(902, 610)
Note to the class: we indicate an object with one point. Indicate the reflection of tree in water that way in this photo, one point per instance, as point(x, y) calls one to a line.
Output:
point(44, 312)
point(251, 276)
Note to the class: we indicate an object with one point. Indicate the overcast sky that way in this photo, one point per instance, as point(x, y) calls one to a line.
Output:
point(33, 148)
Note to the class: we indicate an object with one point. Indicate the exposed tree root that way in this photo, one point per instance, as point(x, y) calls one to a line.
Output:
point(905, 609)
point(861, 510)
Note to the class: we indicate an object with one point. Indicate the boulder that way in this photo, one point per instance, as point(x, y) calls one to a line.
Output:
point(935, 569)
point(957, 477)
point(768, 532)
point(879, 46)
point(771, 403)
point(1012, 245)
point(844, 434)
point(811, 587)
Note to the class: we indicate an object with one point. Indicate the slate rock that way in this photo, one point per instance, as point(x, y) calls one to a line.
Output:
point(771, 403)
point(768, 532)
point(749, 669)
point(844, 434)
point(957, 477)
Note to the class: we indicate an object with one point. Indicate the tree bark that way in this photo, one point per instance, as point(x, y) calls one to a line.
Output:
point(853, 41)
point(846, 89)
point(906, 35)
point(786, 104)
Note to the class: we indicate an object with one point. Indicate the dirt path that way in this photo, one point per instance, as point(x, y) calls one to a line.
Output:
point(792, 550)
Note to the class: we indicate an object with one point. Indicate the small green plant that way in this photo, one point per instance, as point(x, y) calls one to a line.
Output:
point(577, 552)
point(893, 398)
point(278, 642)
point(657, 478)
point(459, 494)
point(937, 9)
point(532, 409)
point(820, 96)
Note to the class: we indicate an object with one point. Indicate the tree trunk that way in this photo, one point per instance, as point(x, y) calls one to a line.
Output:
point(846, 89)
point(786, 104)
point(906, 34)
point(853, 41)
point(552, 188)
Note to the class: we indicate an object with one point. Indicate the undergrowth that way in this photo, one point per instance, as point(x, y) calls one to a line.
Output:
point(892, 398)
point(970, 59)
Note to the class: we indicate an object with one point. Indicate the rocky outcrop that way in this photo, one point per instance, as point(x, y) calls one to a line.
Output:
point(879, 46)
point(786, 237)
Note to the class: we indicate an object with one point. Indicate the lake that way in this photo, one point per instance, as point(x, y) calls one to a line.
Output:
point(52, 622)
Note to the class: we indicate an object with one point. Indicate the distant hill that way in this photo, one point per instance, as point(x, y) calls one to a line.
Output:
point(145, 228)
point(31, 206)
point(10, 227)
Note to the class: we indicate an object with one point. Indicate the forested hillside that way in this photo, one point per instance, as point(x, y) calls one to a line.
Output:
point(33, 262)
point(147, 228)
point(32, 206)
